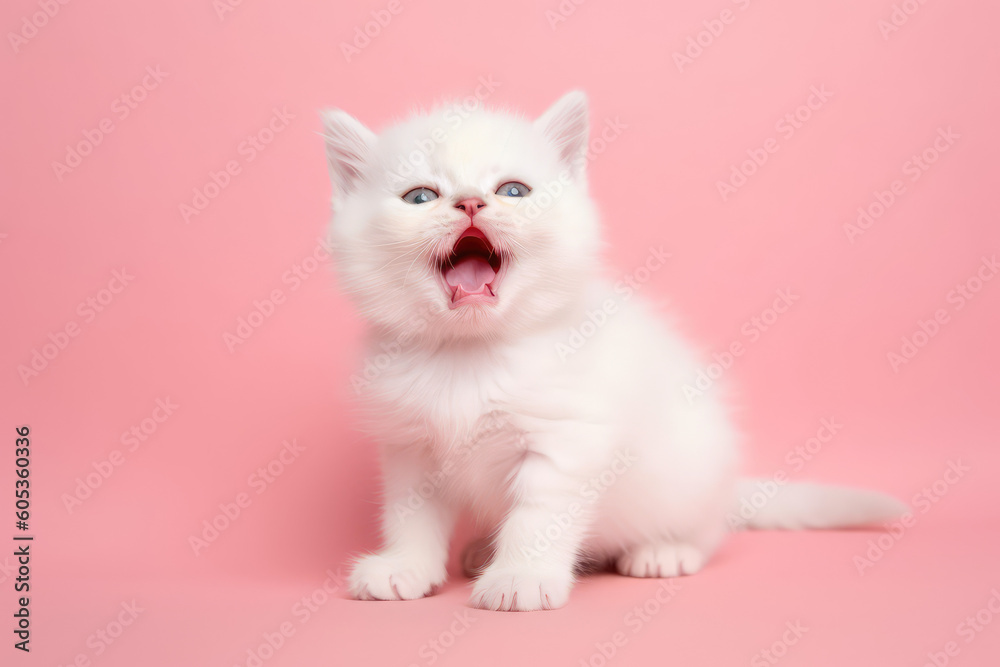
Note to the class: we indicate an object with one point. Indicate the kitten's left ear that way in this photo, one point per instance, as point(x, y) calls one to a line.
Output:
point(566, 124)
point(348, 148)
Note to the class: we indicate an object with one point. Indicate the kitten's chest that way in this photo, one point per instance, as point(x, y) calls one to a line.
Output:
point(446, 400)
point(482, 407)
point(474, 417)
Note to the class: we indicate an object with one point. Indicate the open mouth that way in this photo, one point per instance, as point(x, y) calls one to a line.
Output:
point(472, 271)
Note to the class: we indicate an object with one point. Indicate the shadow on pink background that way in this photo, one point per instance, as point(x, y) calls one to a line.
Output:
point(197, 197)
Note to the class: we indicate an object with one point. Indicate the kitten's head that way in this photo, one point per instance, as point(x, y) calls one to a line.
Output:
point(463, 223)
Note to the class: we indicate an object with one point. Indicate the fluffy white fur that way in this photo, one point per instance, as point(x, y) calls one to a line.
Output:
point(566, 460)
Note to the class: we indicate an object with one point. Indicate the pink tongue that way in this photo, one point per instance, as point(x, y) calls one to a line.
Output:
point(472, 274)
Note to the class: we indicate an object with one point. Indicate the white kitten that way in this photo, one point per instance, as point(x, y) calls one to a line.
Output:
point(469, 242)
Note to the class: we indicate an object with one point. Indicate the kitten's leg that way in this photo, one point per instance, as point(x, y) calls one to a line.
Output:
point(669, 558)
point(478, 553)
point(476, 556)
point(661, 559)
point(412, 561)
point(538, 542)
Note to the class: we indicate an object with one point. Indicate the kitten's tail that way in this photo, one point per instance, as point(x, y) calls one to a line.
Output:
point(764, 504)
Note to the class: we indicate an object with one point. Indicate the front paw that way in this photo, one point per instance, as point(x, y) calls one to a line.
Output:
point(393, 577)
point(521, 590)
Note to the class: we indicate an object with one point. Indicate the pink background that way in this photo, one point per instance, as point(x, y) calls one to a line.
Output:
point(162, 336)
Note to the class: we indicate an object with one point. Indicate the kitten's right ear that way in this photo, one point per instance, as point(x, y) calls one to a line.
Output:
point(566, 124)
point(348, 148)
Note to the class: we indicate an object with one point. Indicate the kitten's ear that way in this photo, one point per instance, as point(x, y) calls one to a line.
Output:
point(348, 148)
point(567, 125)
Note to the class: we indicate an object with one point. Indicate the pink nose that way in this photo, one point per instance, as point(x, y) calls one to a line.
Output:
point(470, 206)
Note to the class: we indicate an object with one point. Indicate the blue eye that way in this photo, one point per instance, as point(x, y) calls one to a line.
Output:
point(513, 189)
point(419, 196)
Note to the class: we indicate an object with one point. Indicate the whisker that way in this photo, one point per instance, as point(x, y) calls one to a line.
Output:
point(390, 263)
point(422, 251)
